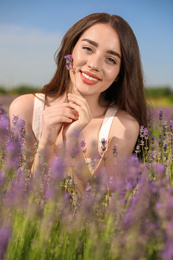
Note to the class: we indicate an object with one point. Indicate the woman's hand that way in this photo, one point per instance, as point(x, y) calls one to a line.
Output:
point(53, 119)
point(80, 105)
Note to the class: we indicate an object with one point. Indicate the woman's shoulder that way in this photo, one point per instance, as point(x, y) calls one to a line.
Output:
point(24, 102)
point(125, 124)
point(126, 118)
point(22, 106)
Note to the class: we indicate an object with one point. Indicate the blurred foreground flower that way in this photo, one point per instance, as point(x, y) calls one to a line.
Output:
point(126, 217)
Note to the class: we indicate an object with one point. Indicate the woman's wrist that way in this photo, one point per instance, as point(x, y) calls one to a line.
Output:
point(44, 146)
point(46, 152)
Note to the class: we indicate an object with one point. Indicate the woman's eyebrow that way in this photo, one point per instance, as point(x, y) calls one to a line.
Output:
point(114, 53)
point(96, 45)
point(91, 42)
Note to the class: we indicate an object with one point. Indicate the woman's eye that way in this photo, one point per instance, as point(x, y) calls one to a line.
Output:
point(112, 60)
point(87, 48)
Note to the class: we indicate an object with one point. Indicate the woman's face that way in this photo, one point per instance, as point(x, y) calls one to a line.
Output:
point(96, 59)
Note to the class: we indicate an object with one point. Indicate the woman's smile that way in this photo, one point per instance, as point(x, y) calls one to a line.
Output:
point(89, 78)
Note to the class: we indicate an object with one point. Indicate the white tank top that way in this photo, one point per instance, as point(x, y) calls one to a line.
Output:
point(39, 104)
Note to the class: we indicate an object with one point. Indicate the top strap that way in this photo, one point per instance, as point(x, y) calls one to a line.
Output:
point(39, 104)
point(106, 125)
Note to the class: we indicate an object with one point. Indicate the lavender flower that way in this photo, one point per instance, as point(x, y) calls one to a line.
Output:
point(69, 61)
point(69, 66)
point(141, 131)
point(167, 253)
point(15, 195)
point(146, 133)
point(142, 142)
point(4, 238)
point(74, 151)
point(82, 144)
point(171, 126)
point(161, 115)
point(58, 169)
point(104, 143)
point(4, 127)
point(115, 151)
point(2, 110)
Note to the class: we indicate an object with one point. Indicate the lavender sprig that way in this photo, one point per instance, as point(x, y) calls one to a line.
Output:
point(69, 62)
point(69, 66)
point(115, 153)
point(103, 148)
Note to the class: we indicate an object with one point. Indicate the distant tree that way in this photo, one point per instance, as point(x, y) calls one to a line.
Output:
point(20, 90)
point(3, 90)
point(158, 92)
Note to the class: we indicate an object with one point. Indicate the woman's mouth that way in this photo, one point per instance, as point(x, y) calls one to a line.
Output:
point(89, 78)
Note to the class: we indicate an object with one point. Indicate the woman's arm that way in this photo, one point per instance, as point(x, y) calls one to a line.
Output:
point(53, 119)
point(23, 107)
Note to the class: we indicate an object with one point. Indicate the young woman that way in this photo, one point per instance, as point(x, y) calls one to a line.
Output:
point(102, 98)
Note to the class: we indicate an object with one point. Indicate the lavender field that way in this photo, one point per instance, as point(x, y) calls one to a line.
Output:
point(5, 100)
point(129, 216)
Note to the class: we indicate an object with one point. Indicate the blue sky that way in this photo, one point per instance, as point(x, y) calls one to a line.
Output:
point(31, 31)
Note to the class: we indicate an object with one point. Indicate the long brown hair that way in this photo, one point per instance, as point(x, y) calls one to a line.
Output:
point(128, 91)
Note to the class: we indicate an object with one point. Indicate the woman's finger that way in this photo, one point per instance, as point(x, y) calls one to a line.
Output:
point(78, 101)
point(60, 111)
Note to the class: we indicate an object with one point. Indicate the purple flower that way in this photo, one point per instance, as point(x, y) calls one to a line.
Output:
point(58, 169)
point(16, 190)
point(74, 151)
point(49, 193)
point(82, 144)
point(171, 126)
point(161, 115)
point(142, 142)
point(115, 151)
point(4, 238)
point(92, 162)
point(67, 197)
point(15, 142)
point(19, 127)
point(15, 120)
point(146, 133)
point(88, 188)
point(167, 253)
point(2, 110)
point(104, 143)
point(1, 178)
point(165, 147)
point(141, 131)
point(69, 61)
point(4, 127)
point(14, 156)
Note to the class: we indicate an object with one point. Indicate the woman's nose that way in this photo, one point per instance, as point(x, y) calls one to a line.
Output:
point(94, 62)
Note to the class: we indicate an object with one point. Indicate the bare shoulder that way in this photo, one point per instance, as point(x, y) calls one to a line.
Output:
point(128, 120)
point(123, 133)
point(125, 125)
point(22, 106)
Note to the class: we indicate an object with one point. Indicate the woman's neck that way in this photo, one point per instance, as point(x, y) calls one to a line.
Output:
point(97, 110)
